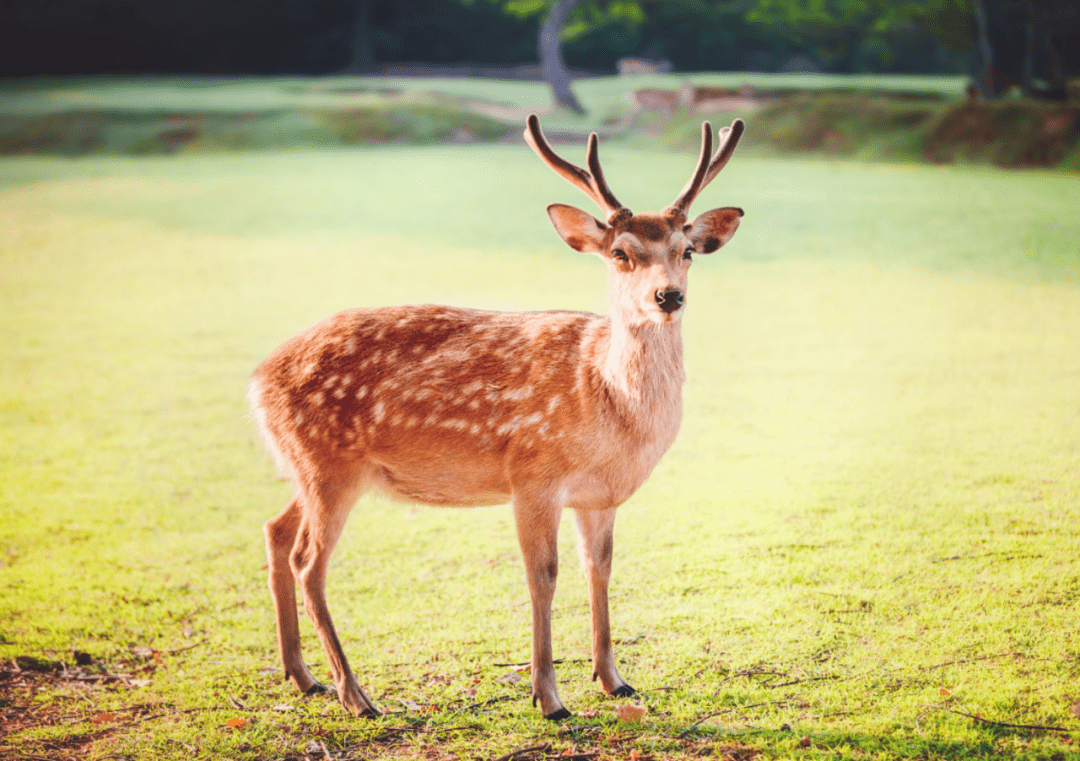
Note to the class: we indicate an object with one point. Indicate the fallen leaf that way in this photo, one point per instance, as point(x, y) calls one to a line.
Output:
point(804, 742)
point(944, 693)
point(631, 713)
point(236, 722)
point(1075, 710)
point(509, 678)
point(591, 713)
point(635, 755)
point(283, 707)
point(103, 718)
point(523, 667)
point(139, 682)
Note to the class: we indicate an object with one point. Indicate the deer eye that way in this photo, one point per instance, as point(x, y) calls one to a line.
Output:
point(689, 250)
point(620, 255)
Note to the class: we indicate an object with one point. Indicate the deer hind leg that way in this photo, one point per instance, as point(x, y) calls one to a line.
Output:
point(326, 506)
point(280, 535)
point(537, 520)
point(596, 535)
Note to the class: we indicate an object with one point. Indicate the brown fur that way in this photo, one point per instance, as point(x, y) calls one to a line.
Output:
point(459, 407)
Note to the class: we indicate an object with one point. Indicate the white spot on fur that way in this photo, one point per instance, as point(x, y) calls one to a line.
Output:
point(339, 393)
point(346, 381)
point(361, 392)
point(329, 382)
point(517, 394)
point(555, 401)
point(472, 388)
point(378, 412)
point(349, 347)
point(509, 427)
point(317, 399)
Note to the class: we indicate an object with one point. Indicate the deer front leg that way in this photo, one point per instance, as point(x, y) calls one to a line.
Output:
point(596, 535)
point(316, 536)
point(537, 520)
point(280, 533)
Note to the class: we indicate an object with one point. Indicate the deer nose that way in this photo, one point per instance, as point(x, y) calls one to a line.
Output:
point(669, 300)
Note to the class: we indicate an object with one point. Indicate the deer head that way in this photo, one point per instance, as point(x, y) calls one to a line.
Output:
point(648, 255)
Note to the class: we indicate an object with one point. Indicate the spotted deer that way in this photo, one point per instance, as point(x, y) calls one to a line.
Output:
point(459, 407)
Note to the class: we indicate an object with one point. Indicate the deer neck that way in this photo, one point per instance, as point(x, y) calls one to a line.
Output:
point(643, 370)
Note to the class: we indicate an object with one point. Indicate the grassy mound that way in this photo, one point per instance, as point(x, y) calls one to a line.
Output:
point(905, 127)
point(302, 117)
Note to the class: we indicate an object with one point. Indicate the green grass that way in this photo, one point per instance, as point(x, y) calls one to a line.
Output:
point(125, 112)
point(869, 518)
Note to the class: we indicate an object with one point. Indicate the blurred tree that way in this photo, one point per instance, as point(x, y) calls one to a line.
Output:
point(1031, 44)
point(549, 44)
point(361, 55)
point(551, 58)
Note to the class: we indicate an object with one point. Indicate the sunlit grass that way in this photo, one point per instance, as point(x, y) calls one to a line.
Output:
point(871, 509)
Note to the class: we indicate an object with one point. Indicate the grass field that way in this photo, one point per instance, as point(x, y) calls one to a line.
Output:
point(865, 535)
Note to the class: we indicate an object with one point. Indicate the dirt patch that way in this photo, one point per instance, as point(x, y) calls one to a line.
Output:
point(38, 693)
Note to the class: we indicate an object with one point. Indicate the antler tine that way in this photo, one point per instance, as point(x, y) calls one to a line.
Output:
point(729, 138)
point(707, 170)
point(599, 183)
point(592, 184)
point(693, 187)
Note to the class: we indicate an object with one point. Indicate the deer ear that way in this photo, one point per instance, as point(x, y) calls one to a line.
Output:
point(713, 229)
point(582, 232)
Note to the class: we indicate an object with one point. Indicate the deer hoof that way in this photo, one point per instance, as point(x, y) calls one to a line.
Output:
point(370, 712)
point(623, 691)
point(559, 715)
point(317, 689)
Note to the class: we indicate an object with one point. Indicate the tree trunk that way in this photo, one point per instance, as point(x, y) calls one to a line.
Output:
point(551, 59)
point(1057, 84)
point(984, 82)
point(361, 59)
point(1028, 86)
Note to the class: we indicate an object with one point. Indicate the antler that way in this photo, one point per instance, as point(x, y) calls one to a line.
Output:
point(707, 170)
point(592, 183)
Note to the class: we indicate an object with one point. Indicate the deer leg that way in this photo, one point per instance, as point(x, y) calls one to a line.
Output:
point(280, 535)
point(596, 540)
point(323, 519)
point(537, 520)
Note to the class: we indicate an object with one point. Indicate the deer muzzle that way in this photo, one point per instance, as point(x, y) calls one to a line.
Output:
point(669, 300)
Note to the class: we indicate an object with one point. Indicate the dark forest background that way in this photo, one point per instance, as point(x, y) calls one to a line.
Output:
point(1037, 38)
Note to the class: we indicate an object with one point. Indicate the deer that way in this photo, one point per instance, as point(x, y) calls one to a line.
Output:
point(459, 407)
